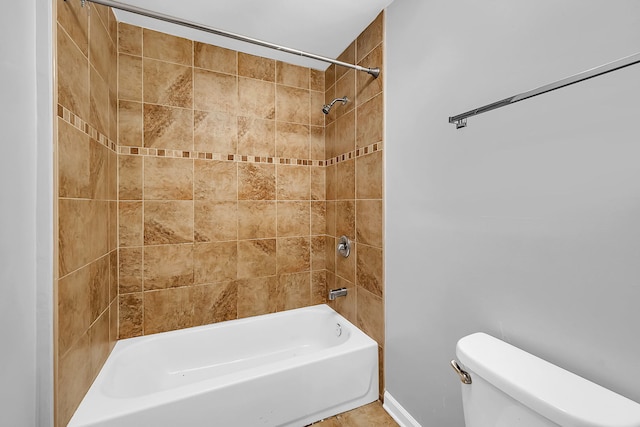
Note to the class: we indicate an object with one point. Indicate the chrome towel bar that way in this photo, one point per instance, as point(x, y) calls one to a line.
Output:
point(461, 119)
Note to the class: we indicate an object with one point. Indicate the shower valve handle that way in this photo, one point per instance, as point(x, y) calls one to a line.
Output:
point(344, 246)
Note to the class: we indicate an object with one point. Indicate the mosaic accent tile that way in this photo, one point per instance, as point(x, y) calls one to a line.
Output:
point(238, 158)
point(75, 121)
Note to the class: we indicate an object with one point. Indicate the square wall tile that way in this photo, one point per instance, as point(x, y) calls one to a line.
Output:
point(167, 310)
point(130, 309)
point(101, 47)
point(370, 122)
point(129, 39)
point(130, 177)
point(318, 183)
point(369, 176)
point(292, 75)
point(75, 21)
point(294, 182)
point(167, 222)
point(256, 219)
point(74, 176)
point(168, 266)
point(292, 104)
point(168, 178)
point(294, 219)
point(318, 217)
point(345, 133)
point(295, 290)
point(74, 377)
point(370, 38)
point(130, 77)
point(130, 225)
point(98, 102)
point(319, 290)
point(74, 307)
point(256, 258)
point(215, 91)
point(347, 55)
point(215, 132)
point(74, 234)
point(346, 180)
point(257, 296)
point(256, 98)
point(367, 85)
point(215, 221)
point(130, 270)
point(316, 80)
point(369, 222)
point(214, 302)
point(293, 254)
point(370, 315)
point(256, 137)
point(99, 287)
point(168, 84)
point(215, 58)
point(166, 47)
point(369, 269)
point(318, 253)
point(346, 86)
point(215, 180)
point(256, 181)
point(168, 127)
point(130, 123)
point(256, 67)
point(292, 140)
point(73, 76)
point(215, 262)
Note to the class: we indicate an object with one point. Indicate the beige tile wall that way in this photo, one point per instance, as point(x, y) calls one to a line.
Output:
point(354, 185)
point(86, 206)
point(222, 184)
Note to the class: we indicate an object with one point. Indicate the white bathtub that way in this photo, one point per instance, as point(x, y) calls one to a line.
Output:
point(284, 369)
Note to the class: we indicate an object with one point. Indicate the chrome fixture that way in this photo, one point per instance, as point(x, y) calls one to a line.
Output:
point(335, 293)
point(461, 119)
point(327, 107)
point(375, 72)
point(344, 246)
point(464, 375)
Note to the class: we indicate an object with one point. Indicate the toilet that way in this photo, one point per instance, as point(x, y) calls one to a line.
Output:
point(508, 387)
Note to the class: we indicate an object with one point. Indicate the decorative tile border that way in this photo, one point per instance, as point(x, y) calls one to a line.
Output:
point(92, 132)
point(362, 151)
point(85, 127)
point(205, 155)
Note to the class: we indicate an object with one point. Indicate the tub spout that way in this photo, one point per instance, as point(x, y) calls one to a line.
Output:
point(335, 293)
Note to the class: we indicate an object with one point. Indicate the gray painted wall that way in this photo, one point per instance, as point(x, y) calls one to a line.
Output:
point(26, 225)
point(526, 224)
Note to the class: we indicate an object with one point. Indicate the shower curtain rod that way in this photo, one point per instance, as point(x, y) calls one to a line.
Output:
point(375, 72)
point(461, 119)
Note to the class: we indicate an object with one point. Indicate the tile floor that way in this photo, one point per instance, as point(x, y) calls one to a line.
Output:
point(371, 415)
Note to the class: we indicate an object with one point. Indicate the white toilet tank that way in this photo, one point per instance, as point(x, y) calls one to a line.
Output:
point(512, 388)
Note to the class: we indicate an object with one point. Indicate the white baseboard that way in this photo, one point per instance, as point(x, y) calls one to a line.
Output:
point(397, 412)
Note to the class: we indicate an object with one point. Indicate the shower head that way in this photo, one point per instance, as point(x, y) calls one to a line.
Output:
point(327, 107)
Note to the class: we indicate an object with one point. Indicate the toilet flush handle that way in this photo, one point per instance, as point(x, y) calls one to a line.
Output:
point(464, 375)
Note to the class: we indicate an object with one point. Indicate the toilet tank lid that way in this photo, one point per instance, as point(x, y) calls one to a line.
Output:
point(561, 396)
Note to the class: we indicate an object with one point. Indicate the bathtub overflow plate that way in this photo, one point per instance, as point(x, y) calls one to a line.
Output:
point(338, 329)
